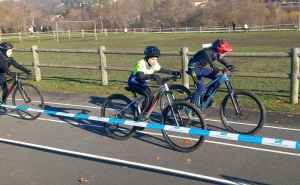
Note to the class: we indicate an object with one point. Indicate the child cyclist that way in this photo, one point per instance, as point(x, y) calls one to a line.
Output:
point(143, 72)
point(5, 61)
point(196, 67)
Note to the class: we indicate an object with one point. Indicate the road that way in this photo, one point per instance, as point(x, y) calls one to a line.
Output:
point(54, 150)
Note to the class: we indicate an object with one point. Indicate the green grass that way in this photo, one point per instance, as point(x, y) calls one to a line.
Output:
point(274, 92)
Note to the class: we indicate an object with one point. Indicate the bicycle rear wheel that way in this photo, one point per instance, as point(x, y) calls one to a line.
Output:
point(116, 106)
point(251, 116)
point(187, 115)
point(30, 97)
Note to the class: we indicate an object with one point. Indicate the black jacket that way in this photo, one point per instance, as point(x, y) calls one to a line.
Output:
point(204, 57)
point(6, 62)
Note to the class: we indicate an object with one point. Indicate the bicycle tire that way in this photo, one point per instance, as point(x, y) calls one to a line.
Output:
point(250, 105)
point(180, 92)
point(35, 97)
point(117, 102)
point(183, 142)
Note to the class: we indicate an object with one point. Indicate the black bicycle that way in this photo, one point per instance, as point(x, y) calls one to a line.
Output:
point(174, 113)
point(25, 96)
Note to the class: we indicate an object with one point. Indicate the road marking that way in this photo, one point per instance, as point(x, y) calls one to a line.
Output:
point(143, 165)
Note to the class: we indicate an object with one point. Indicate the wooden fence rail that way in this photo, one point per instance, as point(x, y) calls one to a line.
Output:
point(184, 53)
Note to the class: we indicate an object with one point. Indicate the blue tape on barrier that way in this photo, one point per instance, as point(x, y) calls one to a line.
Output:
point(116, 121)
point(22, 108)
point(81, 116)
point(297, 145)
point(250, 139)
point(196, 131)
point(155, 126)
point(50, 112)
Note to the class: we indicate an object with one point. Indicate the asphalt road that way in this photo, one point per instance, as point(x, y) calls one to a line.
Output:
point(55, 150)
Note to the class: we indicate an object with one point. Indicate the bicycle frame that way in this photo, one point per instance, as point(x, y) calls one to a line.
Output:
point(221, 79)
point(163, 90)
point(17, 83)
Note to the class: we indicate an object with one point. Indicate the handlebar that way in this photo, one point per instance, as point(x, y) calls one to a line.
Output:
point(223, 70)
point(174, 78)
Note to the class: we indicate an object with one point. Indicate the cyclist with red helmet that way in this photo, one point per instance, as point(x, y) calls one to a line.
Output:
point(143, 72)
point(207, 56)
point(5, 61)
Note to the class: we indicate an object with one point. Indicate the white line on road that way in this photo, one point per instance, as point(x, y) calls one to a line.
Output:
point(120, 161)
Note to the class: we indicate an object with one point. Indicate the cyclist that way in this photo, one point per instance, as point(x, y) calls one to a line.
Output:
point(5, 61)
point(143, 72)
point(196, 67)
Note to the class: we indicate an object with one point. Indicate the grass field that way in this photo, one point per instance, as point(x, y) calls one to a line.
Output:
point(274, 92)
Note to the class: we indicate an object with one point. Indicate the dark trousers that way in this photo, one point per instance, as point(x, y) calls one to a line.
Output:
point(145, 91)
point(3, 85)
point(207, 73)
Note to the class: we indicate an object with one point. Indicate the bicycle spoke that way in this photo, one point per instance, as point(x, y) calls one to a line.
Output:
point(186, 115)
point(116, 106)
point(246, 115)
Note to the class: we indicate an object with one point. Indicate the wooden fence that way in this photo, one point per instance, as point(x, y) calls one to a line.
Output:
point(184, 53)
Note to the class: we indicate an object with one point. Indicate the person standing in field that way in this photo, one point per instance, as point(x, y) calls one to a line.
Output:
point(31, 30)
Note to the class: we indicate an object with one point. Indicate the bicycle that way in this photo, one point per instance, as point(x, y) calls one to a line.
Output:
point(25, 95)
point(237, 106)
point(175, 113)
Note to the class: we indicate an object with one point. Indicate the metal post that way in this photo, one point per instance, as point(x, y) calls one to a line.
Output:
point(57, 33)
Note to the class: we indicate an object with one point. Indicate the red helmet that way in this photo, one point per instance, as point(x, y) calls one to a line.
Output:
point(221, 45)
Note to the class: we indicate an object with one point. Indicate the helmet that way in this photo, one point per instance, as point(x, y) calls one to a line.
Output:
point(221, 45)
point(152, 51)
point(4, 46)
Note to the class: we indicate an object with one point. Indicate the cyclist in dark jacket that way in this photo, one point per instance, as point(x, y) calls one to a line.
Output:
point(144, 71)
point(207, 56)
point(5, 61)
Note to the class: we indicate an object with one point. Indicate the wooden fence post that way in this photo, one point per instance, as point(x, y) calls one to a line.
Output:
point(82, 33)
point(294, 76)
point(69, 33)
point(103, 65)
point(185, 61)
point(36, 63)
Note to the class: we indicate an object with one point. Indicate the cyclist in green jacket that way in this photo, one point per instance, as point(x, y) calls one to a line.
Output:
point(144, 71)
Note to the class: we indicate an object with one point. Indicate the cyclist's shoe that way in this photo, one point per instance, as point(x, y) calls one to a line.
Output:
point(189, 113)
point(143, 119)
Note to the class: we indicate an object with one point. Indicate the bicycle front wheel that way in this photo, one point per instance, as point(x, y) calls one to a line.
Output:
point(116, 106)
point(245, 115)
point(187, 115)
point(180, 92)
point(27, 95)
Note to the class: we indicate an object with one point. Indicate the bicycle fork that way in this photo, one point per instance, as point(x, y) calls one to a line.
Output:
point(23, 93)
point(234, 99)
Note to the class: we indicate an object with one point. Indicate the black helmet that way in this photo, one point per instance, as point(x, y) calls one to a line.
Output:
point(152, 51)
point(4, 46)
